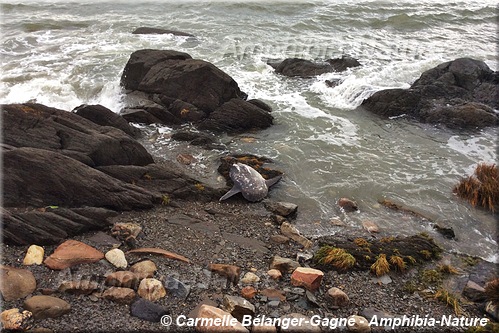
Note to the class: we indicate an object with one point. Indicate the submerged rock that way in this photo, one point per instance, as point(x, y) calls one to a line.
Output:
point(156, 31)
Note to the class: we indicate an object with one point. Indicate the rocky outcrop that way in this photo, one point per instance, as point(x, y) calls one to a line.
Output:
point(459, 94)
point(103, 116)
point(296, 67)
point(172, 88)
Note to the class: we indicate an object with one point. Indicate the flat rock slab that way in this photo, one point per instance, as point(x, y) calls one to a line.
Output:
point(71, 253)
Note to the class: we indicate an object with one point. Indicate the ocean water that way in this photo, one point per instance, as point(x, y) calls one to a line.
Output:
point(67, 53)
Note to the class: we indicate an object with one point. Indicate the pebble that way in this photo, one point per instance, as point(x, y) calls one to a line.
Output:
point(13, 319)
point(290, 231)
point(120, 295)
point(71, 253)
point(370, 226)
point(16, 283)
point(146, 267)
point(309, 278)
point(34, 255)
point(117, 258)
point(124, 279)
point(250, 278)
point(208, 311)
point(275, 274)
point(151, 289)
point(248, 292)
point(147, 310)
point(360, 325)
point(177, 288)
point(337, 297)
point(44, 307)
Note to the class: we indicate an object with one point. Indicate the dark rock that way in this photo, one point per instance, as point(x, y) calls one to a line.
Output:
point(302, 68)
point(333, 83)
point(176, 288)
point(343, 63)
point(176, 75)
point(54, 179)
point(459, 94)
point(194, 137)
point(237, 115)
point(52, 225)
point(139, 116)
point(238, 307)
point(151, 31)
point(39, 126)
point(474, 292)
point(281, 208)
point(261, 104)
point(186, 111)
point(163, 114)
point(105, 117)
point(446, 232)
point(147, 310)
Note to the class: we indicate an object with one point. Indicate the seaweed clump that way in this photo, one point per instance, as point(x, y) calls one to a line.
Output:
point(481, 188)
point(336, 257)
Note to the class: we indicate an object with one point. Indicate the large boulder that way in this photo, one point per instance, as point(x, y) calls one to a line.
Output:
point(296, 67)
point(175, 75)
point(459, 94)
point(37, 178)
point(39, 126)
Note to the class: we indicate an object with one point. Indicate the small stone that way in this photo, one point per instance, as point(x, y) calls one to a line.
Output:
point(474, 292)
point(348, 205)
point(124, 279)
point(281, 208)
point(16, 283)
point(117, 258)
point(120, 295)
point(231, 272)
point(177, 288)
point(34, 255)
point(309, 278)
point(360, 324)
point(147, 310)
point(337, 297)
point(290, 231)
point(216, 314)
point(146, 267)
point(12, 319)
point(44, 307)
point(250, 278)
point(304, 321)
point(248, 292)
point(238, 307)
point(79, 287)
point(370, 226)
point(275, 274)
point(284, 265)
point(279, 239)
point(71, 253)
point(151, 289)
point(273, 294)
point(126, 231)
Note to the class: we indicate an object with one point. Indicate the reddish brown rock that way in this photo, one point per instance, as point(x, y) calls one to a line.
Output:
point(46, 306)
point(248, 292)
point(337, 297)
point(273, 294)
point(347, 204)
point(307, 277)
point(120, 295)
point(71, 253)
point(16, 283)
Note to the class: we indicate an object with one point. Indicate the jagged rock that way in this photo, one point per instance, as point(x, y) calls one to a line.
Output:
point(149, 31)
point(46, 306)
point(71, 253)
point(117, 258)
point(151, 289)
point(176, 288)
point(13, 319)
point(120, 295)
point(238, 307)
point(309, 278)
point(39, 126)
point(147, 310)
point(105, 117)
point(284, 265)
point(34, 255)
point(16, 283)
point(459, 94)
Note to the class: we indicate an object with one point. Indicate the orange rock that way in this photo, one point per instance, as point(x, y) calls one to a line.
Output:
point(248, 292)
point(71, 253)
point(307, 277)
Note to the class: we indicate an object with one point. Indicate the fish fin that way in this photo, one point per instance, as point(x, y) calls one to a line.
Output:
point(272, 181)
point(232, 191)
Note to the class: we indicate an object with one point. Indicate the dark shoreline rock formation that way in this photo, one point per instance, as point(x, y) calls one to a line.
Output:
point(159, 31)
point(296, 67)
point(460, 94)
point(172, 88)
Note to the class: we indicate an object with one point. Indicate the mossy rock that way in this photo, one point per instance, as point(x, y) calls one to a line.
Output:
point(400, 252)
